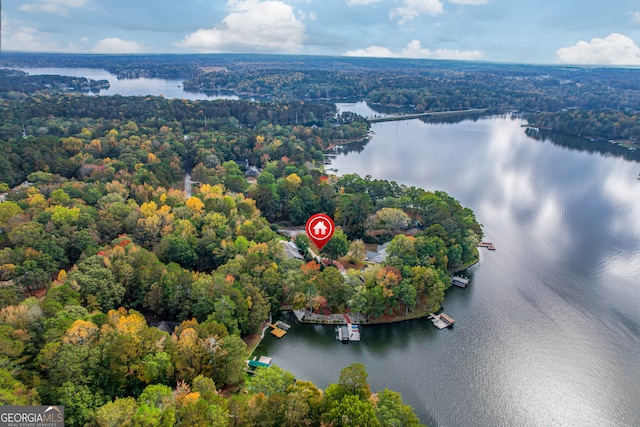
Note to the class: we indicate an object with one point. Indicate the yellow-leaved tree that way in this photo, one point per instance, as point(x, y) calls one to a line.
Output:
point(80, 332)
point(195, 204)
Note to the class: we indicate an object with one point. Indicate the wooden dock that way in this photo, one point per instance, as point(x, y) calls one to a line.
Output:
point(487, 245)
point(276, 330)
point(447, 319)
point(441, 320)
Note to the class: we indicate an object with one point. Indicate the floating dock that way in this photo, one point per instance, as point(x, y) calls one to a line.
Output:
point(460, 282)
point(487, 245)
point(441, 320)
point(354, 332)
point(276, 330)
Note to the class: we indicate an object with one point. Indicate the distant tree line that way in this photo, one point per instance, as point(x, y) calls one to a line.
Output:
point(420, 85)
point(16, 84)
point(602, 124)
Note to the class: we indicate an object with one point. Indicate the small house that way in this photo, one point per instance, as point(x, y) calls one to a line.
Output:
point(252, 172)
point(291, 250)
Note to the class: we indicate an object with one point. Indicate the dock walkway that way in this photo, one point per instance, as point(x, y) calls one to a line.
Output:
point(352, 330)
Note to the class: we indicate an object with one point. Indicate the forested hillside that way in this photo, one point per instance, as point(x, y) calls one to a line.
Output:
point(98, 239)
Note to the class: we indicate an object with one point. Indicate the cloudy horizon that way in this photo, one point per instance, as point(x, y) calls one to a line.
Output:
point(521, 31)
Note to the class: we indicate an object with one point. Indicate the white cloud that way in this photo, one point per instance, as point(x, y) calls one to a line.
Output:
point(469, 1)
point(361, 2)
point(310, 16)
point(414, 8)
point(57, 7)
point(117, 45)
point(372, 51)
point(415, 50)
point(252, 26)
point(615, 49)
point(26, 39)
point(23, 38)
point(635, 17)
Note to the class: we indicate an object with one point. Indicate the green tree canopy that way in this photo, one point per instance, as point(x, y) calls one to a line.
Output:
point(270, 380)
point(390, 410)
point(337, 246)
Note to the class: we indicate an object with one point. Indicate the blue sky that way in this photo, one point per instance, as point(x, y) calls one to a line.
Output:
point(523, 31)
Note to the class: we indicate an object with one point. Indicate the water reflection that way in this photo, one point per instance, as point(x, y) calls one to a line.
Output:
point(169, 88)
point(353, 147)
point(582, 144)
point(454, 119)
point(548, 331)
point(371, 110)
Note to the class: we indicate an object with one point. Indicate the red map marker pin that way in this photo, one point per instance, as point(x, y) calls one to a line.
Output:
point(320, 228)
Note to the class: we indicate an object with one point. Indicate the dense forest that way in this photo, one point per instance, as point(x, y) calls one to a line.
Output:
point(98, 241)
point(547, 92)
point(179, 132)
point(602, 124)
point(15, 84)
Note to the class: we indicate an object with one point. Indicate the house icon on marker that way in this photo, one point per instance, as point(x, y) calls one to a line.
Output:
point(320, 229)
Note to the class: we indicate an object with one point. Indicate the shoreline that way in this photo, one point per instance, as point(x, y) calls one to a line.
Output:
point(341, 142)
point(416, 314)
point(338, 319)
point(253, 341)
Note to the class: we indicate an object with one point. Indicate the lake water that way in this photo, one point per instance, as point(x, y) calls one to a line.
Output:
point(548, 331)
point(169, 88)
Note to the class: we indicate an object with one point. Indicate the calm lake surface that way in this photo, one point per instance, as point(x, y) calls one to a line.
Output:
point(548, 331)
point(130, 87)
